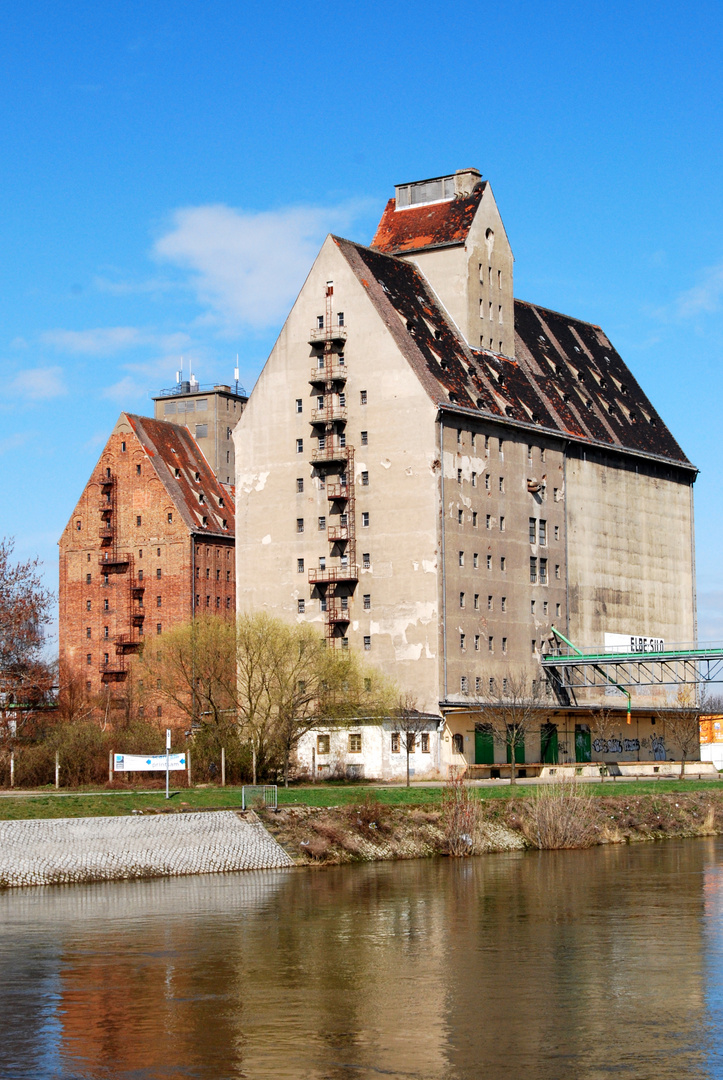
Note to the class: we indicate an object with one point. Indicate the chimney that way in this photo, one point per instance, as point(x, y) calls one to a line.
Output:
point(465, 181)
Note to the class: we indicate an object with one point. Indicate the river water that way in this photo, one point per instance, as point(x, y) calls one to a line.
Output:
point(553, 965)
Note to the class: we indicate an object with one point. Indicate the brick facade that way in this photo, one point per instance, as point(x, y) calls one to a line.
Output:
point(150, 543)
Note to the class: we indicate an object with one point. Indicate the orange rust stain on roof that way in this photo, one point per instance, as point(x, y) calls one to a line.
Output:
point(426, 226)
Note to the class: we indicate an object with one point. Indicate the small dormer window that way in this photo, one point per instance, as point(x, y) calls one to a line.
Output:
point(177, 473)
point(197, 477)
point(201, 497)
point(204, 521)
point(220, 501)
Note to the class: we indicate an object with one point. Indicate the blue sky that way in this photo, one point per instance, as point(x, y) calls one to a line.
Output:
point(170, 170)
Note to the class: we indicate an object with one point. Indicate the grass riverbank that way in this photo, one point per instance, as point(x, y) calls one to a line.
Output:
point(48, 803)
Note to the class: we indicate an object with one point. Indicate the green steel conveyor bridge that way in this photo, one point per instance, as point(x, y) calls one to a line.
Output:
point(569, 669)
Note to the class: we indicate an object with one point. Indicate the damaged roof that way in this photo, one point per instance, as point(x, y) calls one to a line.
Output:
point(432, 225)
point(205, 505)
point(566, 377)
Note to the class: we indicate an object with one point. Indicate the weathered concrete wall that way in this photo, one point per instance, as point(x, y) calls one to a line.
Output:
point(630, 552)
point(54, 852)
point(399, 458)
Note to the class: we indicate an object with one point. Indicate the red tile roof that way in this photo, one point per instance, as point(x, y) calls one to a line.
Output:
point(170, 449)
point(434, 225)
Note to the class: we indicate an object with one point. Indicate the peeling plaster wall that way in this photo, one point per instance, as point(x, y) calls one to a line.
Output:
point(401, 497)
point(376, 761)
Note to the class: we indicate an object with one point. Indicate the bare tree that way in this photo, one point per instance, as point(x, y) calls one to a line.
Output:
point(412, 724)
point(603, 724)
point(683, 723)
point(511, 708)
point(26, 679)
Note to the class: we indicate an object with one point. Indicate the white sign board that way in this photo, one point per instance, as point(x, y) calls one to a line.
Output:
point(633, 643)
point(148, 762)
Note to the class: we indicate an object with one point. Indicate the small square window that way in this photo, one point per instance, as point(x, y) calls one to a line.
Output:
point(158, 601)
point(461, 599)
point(158, 572)
point(474, 479)
point(557, 611)
point(299, 446)
point(89, 658)
point(367, 643)
point(299, 405)
point(365, 479)
point(504, 644)
point(323, 744)
point(365, 519)
point(159, 627)
point(490, 603)
point(476, 601)
point(489, 562)
point(461, 558)
point(366, 560)
point(502, 524)
point(355, 739)
point(138, 519)
point(475, 560)
point(322, 523)
point(395, 742)
point(365, 438)
point(299, 525)
point(544, 607)
point(474, 519)
point(300, 566)
point(543, 571)
point(488, 521)
point(502, 483)
point(461, 641)
point(463, 689)
point(490, 644)
point(367, 602)
point(532, 607)
point(300, 484)
point(87, 631)
point(87, 605)
point(459, 476)
point(543, 533)
point(557, 532)
point(533, 570)
point(459, 436)
point(362, 397)
point(460, 517)
point(301, 606)
point(425, 742)
point(557, 571)
point(503, 563)
point(503, 603)
point(476, 643)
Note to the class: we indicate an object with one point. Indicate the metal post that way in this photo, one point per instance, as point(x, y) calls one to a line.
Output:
point(168, 756)
point(12, 768)
point(110, 767)
point(57, 770)
point(188, 766)
point(223, 767)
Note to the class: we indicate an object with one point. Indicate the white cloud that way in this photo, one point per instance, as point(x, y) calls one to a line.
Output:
point(125, 390)
point(105, 340)
point(100, 341)
point(247, 268)
point(704, 297)
point(39, 384)
point(133, 288)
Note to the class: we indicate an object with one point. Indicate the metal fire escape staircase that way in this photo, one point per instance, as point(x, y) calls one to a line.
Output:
point(333, 460)
point(111, 561)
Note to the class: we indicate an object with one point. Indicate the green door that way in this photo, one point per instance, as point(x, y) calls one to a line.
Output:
point(583, 743)
point(519, 750)
point(548, 744)
point(484, 745)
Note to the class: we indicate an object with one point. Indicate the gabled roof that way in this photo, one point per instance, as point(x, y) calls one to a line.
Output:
point(170, 447)
point(566, 377)
point(432, 225)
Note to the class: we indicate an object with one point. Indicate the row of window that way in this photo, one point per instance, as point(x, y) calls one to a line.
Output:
point(343, 600)
point(363, 440)
point(320, 320)
point(208, 573)
point(538, 567)
point(322, 522)
point(364, 478)
point(482, 311)
point(218, 602)
point(320, 401)
point(398, 740)
point(491, 642)
point(366, 562)
point(490, 276)
point(482, 685)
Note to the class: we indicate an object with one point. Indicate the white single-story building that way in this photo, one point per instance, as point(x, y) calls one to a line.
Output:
point(371, 751)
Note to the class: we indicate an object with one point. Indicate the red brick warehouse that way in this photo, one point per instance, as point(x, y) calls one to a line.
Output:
point(149, 545)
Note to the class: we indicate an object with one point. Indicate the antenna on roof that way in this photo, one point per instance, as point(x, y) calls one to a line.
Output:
point(236, 374)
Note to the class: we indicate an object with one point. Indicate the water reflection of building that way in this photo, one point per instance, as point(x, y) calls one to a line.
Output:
point(558, 965)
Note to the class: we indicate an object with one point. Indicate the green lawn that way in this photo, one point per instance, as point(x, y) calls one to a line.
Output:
point(47, 804)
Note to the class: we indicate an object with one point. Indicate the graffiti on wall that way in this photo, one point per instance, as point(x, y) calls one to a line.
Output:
point(616, 746)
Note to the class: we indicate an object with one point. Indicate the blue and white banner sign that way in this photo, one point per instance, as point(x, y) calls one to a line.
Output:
point(148, 762)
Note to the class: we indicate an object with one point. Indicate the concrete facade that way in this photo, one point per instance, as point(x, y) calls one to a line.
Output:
point(210, 413)
point(439, 506)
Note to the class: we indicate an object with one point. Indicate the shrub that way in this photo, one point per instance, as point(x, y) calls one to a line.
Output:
point(559, 816)
point(460, 816)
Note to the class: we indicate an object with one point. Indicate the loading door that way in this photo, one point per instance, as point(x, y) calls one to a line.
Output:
point(583, 743)
point(548, 744)
point(484, 745)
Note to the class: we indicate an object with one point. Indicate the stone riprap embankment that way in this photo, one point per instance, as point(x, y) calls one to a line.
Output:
point(65, 850)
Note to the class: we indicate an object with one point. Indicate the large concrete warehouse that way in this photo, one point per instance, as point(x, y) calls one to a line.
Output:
point(435, 473)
